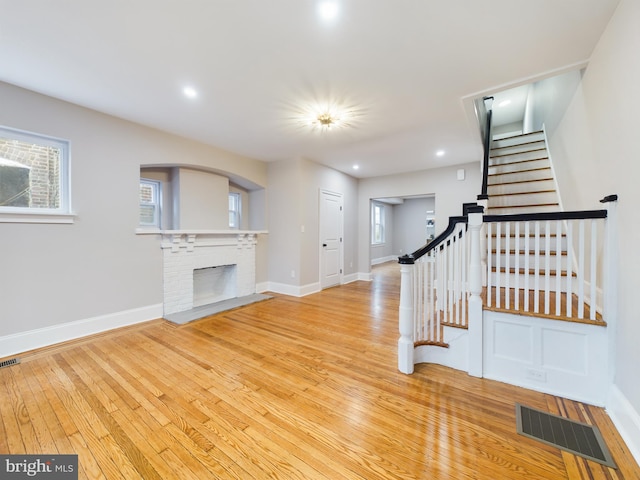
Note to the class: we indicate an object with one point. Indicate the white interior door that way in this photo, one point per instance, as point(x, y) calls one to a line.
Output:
point(330, 239)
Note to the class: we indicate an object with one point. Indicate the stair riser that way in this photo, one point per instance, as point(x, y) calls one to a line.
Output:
point(523, 199)
point(518, 211)
point(518, 176)
point(518, 167)
point(521, 282)
point(518, 157)
point(564, 262)
point(518, 140)
point(517, 148)
point(521, 187)
point(511, 243)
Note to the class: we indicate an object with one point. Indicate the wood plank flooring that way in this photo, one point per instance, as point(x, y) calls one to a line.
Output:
point(290, 388)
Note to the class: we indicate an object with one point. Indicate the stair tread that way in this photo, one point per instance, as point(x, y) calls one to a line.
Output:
point(552, 302)
point(531, 235)
point(515, 153)
point(522, 193)
point(520, 181)
point(516, 162)
point(519, 171)
point(531, 252)
point(532, 271)
point(525, 206)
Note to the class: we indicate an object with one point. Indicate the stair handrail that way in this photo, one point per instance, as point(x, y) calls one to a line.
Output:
point(488, 102)
point(409, 259)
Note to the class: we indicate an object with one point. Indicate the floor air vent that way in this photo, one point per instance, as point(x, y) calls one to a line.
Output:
point(575, 437)
point(8, 363)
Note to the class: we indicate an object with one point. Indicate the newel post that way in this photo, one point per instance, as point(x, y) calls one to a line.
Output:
point(405, 317)
point(475, 289)
point(610, 280)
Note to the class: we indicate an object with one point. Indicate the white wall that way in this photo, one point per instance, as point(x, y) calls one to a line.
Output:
point(596, 152)
point(410, 224)
point(203, 200)
point(381, 253)
point(450, 193)
point(98, 266)
point(294, 192)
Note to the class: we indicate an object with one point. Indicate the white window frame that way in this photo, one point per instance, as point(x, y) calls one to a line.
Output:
point(157, 202)
point(377, 206)
point(237, 213)
point(63, 213)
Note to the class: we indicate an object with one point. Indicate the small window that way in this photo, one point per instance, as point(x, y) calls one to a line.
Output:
point(377, 224)
point(149, 203)
point(34, 173)
point(234, 210)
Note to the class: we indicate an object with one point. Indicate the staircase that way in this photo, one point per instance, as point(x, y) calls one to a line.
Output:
point(514, 292)
point(520, 179)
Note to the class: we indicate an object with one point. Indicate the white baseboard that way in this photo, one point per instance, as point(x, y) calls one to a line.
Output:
point(365, 276)
point(388, 258)
point(43, 337)
point(626, 419)
point(353, 277)
point(293, 290)
point(262, 287)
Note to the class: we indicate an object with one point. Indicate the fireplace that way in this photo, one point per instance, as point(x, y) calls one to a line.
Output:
point(203, 267)
point(213, 284)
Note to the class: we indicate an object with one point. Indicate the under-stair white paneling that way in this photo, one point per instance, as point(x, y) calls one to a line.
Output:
point(455, 356)
point(561, 358)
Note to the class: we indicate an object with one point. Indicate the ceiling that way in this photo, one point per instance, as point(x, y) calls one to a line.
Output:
point(402, 73)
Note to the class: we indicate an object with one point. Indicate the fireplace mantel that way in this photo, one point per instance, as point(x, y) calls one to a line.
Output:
point(187, 250)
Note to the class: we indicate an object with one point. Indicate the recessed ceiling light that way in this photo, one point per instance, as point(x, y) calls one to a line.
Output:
point(504, 103)
point(440, 153)
point(356, 167)
point(328, 9)
point(190, 92)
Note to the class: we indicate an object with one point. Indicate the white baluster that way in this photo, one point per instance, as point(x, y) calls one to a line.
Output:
point(569, 268)
point(558, 266)
point(581, 269)
point(547, 266)
point(536, 266)
point(594, 240)
point(489, 247)
point(507, 256)
point(527, 232)
point(516, 266)
point(497, 257)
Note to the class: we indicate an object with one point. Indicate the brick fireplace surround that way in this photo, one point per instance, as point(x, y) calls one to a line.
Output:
point(184, 251)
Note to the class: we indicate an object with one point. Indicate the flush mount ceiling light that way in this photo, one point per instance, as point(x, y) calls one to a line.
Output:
point(440, 153)
point(327, 120)
point(328, 9)
point(189, 92)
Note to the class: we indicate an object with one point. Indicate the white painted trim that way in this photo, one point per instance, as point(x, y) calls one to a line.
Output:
point(388, 258)
point(293, 290)
point(36, 217)
point(352, 277)
point(43, 337)
point(626, 420)
point(262, 287)
point(365, 276)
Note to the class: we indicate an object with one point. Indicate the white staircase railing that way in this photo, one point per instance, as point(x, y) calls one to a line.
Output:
point(544, 264)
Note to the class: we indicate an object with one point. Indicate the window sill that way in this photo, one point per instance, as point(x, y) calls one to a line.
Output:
point(37, 217)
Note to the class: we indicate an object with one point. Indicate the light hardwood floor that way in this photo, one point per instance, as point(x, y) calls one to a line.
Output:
point(291, 388)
